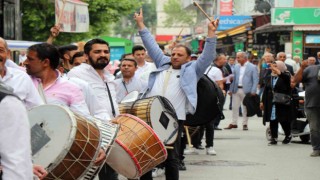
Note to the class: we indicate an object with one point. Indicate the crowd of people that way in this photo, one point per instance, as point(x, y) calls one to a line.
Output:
point(77, 78)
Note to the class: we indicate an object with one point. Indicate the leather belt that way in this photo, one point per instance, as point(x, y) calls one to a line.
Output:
point(239, 86)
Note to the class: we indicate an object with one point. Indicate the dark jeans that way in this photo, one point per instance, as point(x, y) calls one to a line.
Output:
point(274, 128)
point(313, 116)
point(172, 162)
point(209, 133)
point(107, 173)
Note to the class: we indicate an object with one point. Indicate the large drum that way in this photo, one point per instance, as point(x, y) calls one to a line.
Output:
point(158, 113)
point(64, 143)
point(137, 149)
point(109, 132)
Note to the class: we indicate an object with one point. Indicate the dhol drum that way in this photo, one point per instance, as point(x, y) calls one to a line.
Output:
point(64, 143)
point(109, 132)
point(158, 113)
point(137, 149)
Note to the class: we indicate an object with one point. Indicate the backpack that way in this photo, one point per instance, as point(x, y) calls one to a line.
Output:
point(209, 105)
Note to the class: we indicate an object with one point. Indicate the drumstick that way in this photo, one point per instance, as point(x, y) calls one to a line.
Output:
point(179, 35)
point(169, 147)
point(196, 4)
point(188, 136)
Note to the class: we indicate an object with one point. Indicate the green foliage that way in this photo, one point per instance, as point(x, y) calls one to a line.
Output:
point(126, 28)
point(38, 17)
point(176, 15)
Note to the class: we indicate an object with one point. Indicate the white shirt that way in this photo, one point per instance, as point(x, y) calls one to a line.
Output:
point(215, 74)
point(292, 63)
point(87, 73)
point(91, 99)
point(124, 88)
point(242, 70)
point(22, 86)
point(143, 71)
point(22, 58)
point(15, 143)
point(173, 92)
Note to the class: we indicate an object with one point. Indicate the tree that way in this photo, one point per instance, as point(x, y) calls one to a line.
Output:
point(38, 17)
point(126, 27)
point(177, 15)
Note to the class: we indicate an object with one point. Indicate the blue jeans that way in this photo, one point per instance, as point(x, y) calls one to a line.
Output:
point(313, 116)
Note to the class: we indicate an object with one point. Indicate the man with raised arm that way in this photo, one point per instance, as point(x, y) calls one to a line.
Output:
point(176, 79)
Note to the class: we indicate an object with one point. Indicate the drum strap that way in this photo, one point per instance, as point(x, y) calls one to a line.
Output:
point(41, 92)
point(111, 102)
point(124, 84)
point(166, 80)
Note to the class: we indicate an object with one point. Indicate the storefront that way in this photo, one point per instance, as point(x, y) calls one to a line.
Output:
point(8, 19)
point(310, 40)
point(235, 39)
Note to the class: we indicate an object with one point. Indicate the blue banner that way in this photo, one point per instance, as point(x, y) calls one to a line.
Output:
point(228, 22)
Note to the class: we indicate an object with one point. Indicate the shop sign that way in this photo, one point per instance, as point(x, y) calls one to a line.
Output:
point(228, 22)
point(226, 7)
point(312, 39)
point(297, 43)
point(295, 16)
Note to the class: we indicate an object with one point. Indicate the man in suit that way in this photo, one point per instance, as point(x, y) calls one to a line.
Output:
point(245, 81)
point(281, 56)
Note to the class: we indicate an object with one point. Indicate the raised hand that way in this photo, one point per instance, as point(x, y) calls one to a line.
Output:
point(139, 19)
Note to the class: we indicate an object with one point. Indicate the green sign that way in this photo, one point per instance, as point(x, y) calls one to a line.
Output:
point(295, 16)
point(297, 43)
point(239, 46)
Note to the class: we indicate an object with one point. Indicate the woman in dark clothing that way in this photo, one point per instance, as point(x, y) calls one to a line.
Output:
point(277, 113)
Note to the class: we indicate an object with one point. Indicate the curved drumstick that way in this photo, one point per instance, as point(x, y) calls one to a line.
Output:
point(196, 4)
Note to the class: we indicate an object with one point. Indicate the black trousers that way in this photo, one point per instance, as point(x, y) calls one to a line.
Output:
point(274, 124)
point(171, 164)
point(107, 173)
point(209, 133)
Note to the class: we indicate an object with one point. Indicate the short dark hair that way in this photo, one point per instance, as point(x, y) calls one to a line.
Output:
point(65, 49)
point(129, 59)
point(47, 51)
point(124, 55)
point(188, 50)
point(137, 48)
point(76, 55)
point(89, 44)
point(161, 47)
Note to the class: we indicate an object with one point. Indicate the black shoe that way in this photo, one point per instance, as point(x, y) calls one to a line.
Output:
point(272, 142)
point(216, 128)
point(287, 139)
point(182, 167)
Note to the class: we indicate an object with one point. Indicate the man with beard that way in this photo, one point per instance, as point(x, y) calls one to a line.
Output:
point(97, 52)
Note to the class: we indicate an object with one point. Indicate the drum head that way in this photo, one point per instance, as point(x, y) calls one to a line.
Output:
point(130, 97)
point(164, 125)
point(52, 132)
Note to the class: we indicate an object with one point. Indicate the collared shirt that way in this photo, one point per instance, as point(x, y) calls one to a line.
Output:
point(123, 88)
point(242, 70)
point(143, 71)
point(90, 98)
point(62, 92)
point(22, 86)
point(15, 143)
point(87, 73)
point(173, 91)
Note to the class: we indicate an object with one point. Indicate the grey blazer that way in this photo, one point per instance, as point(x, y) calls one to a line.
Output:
point(250, 79)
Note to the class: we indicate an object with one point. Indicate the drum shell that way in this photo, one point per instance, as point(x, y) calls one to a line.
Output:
point(141, 145)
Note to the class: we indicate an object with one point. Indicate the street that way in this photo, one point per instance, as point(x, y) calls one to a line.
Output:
point(245, 155)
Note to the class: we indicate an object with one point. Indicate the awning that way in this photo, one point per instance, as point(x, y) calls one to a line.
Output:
point(306, 27)
point(234, 31)
point(270, 28)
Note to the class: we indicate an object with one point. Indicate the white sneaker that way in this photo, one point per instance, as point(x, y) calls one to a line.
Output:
point(211, 151)
point(156, 172)
point(190, 151)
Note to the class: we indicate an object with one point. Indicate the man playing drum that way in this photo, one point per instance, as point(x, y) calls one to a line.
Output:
point(129, 82)
point(176, 79)
point(97, 52)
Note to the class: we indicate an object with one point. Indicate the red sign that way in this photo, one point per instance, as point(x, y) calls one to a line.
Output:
point(226, 7)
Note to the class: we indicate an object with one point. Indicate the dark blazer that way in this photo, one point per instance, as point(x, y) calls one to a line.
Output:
point(290, 69)
point(283, 113)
